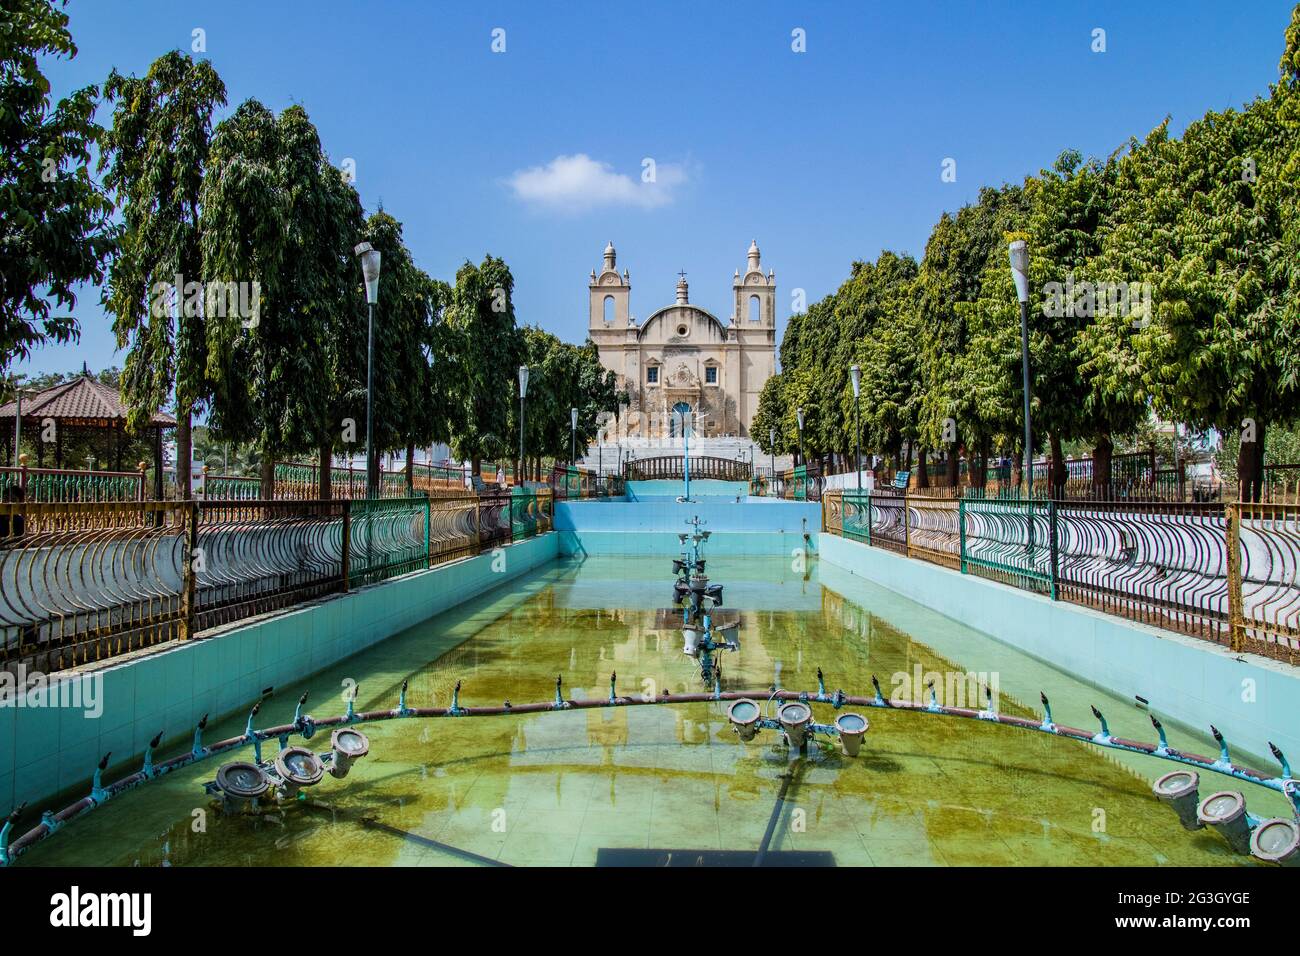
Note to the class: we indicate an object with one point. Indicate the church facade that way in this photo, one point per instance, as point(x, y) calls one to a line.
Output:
point(683, 359)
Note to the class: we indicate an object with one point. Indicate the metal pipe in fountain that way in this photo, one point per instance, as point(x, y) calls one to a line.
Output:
point(1275, 840)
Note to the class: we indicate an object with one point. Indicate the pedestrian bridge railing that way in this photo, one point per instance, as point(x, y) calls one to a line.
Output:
point(672, 467)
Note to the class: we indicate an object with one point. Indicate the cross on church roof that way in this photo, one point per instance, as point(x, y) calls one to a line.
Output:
point(682, 273)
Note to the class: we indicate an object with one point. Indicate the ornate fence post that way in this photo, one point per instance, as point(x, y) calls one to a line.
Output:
point(870, 517)
point(347, 538)
point(478, 523)
point(428, 519)
point(1236, 616)
point(1053, 554)
point(907, 526)
point(961, 530)
point(190, 530)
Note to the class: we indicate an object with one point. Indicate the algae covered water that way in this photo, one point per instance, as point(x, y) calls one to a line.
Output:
point(673, 783)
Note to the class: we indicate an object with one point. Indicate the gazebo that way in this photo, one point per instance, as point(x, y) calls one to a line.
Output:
point(86, 405)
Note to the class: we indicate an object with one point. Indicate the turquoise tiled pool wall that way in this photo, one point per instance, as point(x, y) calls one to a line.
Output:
point(1251, 699)
point(704, 489)
point(45, 750)
point(651, 527)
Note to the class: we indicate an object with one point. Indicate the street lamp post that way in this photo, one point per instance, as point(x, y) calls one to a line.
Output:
point(573, 436)
point(771, 445)
point(855, 374)
point(523, 393)
point(798, 414)
point(1019, 254)
point(370, 272)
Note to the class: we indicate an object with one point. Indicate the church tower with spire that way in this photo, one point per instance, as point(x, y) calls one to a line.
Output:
point(684, 357)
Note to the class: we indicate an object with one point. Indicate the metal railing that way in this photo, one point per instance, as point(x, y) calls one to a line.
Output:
point(299, 481)
point(702, 467)
point(62, 484)
point(83, 582)
point(570, 483)
point(1228, 573)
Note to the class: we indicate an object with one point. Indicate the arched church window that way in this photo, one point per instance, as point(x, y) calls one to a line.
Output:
point(609, 308)
point(755, 309)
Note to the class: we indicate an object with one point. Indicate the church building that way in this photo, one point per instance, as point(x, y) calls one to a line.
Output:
point(683, 359)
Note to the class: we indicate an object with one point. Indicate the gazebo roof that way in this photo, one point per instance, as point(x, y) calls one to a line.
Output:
point(82, 401)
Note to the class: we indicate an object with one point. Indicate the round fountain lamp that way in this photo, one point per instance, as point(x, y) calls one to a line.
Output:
point(1180, 789)
point(351, 742)
point(299, 767)
point(243, 781)
point(852, 728)
point(1221, 808)
point(691, 641)
point(744, 715)
point(1226, 812)
point(1176, 785)
point(348, 744)
point(1277, 841)
point(795, 717)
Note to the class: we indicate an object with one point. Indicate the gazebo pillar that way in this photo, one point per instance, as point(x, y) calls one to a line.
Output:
point(157, 463)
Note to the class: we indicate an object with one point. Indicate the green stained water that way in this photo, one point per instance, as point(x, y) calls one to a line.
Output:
point(555, 788)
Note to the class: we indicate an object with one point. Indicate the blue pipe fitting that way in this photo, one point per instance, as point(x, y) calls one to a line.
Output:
point(148, 769)
point(1102, 736)
point(1163, 748)
point(1048, 725)
point(97, 792)
point(1225, 760)
point(197, 750)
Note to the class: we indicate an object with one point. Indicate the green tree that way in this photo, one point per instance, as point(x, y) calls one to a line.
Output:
point(274, 222)
point(961, 251)
point(154, 160)
point(481, 324)
point(54, 220)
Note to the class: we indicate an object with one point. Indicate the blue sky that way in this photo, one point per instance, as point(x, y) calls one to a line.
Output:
point(824, 156)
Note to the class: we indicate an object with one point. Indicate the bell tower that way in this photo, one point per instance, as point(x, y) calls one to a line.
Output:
point(755, 305)
point(609, 295)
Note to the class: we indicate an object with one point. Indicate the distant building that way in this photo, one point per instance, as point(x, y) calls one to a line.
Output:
point(684, 359)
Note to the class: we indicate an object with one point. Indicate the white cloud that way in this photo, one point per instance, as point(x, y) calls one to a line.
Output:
point(578, 182)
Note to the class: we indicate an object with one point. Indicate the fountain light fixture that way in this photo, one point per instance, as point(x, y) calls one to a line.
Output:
point(794, 717)
point(744, 715)
point(852, 728)
point(1179, 789)
point(348, 745)
point(1226, 812)
point(242, 783)
point(1276, 841)
point(298, 767)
